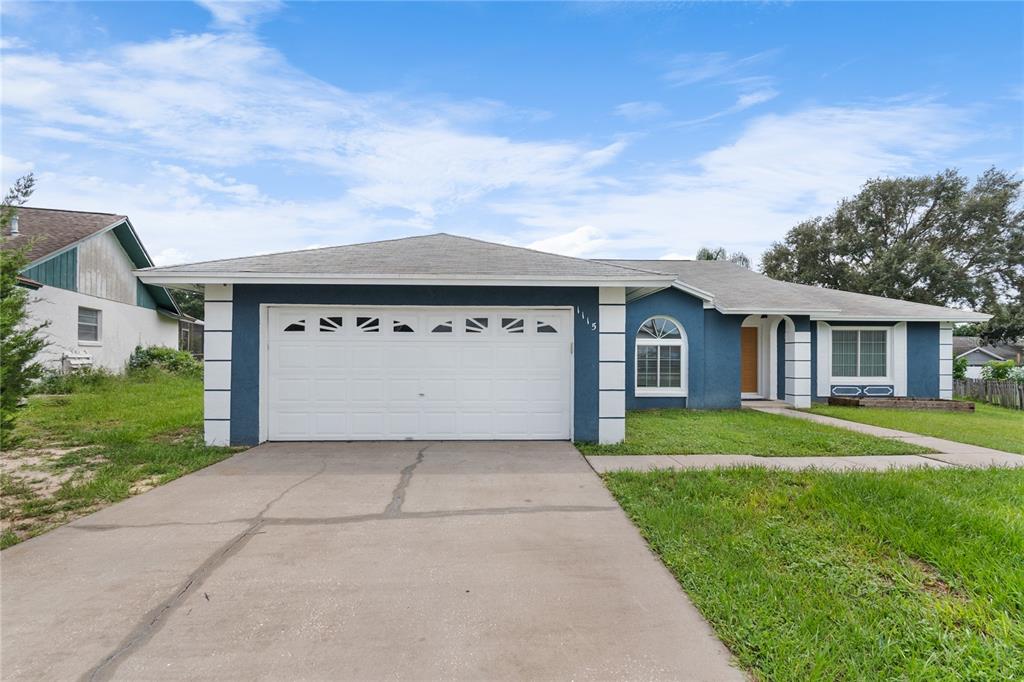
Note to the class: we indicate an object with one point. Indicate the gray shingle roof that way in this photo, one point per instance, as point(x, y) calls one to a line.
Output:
point(435, 255)
point(48, 229)
point(735, 288)
point(1006, 351)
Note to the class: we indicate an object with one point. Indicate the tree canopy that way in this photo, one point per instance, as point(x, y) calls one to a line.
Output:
point(931, 239)
point(737, 257)
point(19, 337)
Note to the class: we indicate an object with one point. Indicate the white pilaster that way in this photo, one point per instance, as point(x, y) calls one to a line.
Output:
point(217, 364)
point(899, 359)
point(611, 365)
point(824, 357)
point(798, 368)
point(946, 360)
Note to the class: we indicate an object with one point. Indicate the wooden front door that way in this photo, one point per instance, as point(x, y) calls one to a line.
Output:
point(748, 359)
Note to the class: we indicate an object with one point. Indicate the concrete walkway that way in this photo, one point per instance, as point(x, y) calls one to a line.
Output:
point(946, 453)
point(951, 452)
point(357, 561)
point(606, 463)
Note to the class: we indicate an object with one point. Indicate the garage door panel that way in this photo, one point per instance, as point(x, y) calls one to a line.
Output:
point(403, 424)
point(366, 355)
point(442, 380)
point(330, 356)
point(290, 424)
point(439, 356)
point(332, 424)
point(292, 355)
point(368, 424)
point(329, 390)
point(476, 355)
point(403, 390)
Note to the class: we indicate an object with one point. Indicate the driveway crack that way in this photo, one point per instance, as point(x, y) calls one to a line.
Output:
point(394, 507)
point(155, 619)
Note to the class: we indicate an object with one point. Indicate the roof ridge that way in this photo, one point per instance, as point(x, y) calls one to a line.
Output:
point(424, 236)
point(291, 251)
point(71, 210)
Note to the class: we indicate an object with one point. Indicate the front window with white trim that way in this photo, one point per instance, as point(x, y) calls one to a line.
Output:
point(858, 353)
point(660, 358)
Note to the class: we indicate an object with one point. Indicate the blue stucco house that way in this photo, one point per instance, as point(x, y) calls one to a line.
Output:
point(446, 337)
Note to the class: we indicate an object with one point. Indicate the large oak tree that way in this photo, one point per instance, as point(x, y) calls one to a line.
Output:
point(932, 239)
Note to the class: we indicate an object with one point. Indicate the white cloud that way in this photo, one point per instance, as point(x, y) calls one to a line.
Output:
point(171, 256)
point(11, 43)
point(780, 170)
point(239, 14)
point(640, 111)
point(582, 242)
point(697, 67)
point(173, 132)
point(230, 101)
point(719, 69)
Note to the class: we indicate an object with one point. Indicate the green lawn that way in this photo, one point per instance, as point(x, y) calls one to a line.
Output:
point(989, 426)
point(739, 432)
point(905, 575)
point(99, 445)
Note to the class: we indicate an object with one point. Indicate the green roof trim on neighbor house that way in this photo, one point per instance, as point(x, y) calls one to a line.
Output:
point(57, 271)
point(54, 251)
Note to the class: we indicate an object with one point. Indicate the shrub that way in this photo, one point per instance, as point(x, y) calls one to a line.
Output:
point(1017, 374)
point(960, 368)
point(166, 359)
point(996, 370)
point(55, 382)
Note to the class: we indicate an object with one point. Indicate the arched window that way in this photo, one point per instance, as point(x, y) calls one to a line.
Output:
point(660, 358)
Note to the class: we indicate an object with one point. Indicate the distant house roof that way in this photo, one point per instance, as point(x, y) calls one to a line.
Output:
point(965, 345)
point(48, 231)
point(428, 257)
point(735, 289)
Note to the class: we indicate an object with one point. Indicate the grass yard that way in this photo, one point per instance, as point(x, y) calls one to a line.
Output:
point(739, 432)
point(98, 445)
point(912, 575)
point(988, 426)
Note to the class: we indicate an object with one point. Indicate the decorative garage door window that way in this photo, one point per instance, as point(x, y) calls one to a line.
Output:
point(660, 358)
point(513, 325)
point(476, 325)
point(331, 325)
point(368, 324)
point(860, 352)
point(338, 324)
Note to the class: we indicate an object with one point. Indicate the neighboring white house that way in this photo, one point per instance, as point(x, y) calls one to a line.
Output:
point(80, 270)
point(978, 353)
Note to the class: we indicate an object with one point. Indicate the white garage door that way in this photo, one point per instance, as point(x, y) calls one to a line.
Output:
point(345, 373)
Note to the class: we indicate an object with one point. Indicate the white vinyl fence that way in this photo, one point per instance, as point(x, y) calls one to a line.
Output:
point(1004, 393)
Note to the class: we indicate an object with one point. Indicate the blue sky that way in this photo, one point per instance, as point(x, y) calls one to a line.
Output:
point(633, 130)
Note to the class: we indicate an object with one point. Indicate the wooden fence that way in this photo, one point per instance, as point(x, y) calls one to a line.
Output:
point(1004, 393)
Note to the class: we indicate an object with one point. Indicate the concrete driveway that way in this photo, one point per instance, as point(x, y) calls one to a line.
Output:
point(357, 561)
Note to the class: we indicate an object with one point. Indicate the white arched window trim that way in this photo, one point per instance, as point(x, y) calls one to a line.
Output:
point(664, 373)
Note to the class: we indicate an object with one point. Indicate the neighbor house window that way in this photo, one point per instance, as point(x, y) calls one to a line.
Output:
point(660, 358)
point(88, 324)
point(860, 352)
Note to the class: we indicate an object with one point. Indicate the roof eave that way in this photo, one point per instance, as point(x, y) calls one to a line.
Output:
point(953, 316)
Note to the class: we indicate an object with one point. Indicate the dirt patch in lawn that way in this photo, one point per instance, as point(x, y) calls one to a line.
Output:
point(932, 582)
point(31, 478)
